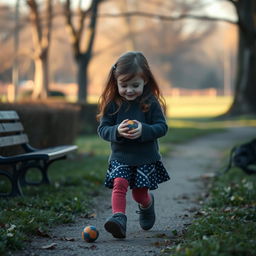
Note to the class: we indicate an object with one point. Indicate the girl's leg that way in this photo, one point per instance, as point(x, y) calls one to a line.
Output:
point(116, 224)
point(119, 195)
point(146, 207)
point(141, 196)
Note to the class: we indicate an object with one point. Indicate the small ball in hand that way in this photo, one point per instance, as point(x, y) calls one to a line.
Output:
point(131, 124)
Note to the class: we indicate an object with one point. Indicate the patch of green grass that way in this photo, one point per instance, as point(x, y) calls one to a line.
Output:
point(227, 222)
point(191, 106)
point(197, 106)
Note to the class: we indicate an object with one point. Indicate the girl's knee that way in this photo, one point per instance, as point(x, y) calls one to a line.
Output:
point(140, 195)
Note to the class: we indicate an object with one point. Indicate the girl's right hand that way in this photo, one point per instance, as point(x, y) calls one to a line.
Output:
point(122, 129)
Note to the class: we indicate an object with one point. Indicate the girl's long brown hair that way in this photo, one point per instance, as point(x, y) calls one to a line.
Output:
point(129, 65)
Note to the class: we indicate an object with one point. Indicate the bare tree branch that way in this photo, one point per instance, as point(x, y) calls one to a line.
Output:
point(94, 8)
point(41, 30)
point(165, 17)
point(46, 31)
point(34, 14)
point(71, 28)
point(82, 17)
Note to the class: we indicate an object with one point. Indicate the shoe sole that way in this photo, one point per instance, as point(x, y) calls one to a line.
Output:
point(114, 228)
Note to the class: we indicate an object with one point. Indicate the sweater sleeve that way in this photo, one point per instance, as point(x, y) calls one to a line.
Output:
point(107, 129)
point(158, 126)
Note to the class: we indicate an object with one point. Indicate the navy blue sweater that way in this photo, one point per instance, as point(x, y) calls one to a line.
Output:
point(143, 150)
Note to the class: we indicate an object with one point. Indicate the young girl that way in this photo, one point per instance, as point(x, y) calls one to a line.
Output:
point(131, 93)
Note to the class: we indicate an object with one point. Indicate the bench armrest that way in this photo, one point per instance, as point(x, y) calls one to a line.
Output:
point(29, 148)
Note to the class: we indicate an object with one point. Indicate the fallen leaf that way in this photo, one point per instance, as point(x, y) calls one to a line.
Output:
point(227, 209)
point(166, 242)
point(192, 209)
point(89, 215)
point(201, 213)
point(49, 247)
point(42, 233)
point(92, 247)
point(32, 220)
point(67, 239)
point(208, 175)
point(161, 235)
point(157, 244)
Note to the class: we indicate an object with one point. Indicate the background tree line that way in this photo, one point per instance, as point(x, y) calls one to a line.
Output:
point(176, 46)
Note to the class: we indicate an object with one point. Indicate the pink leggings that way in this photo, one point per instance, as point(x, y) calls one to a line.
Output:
point(140, 195)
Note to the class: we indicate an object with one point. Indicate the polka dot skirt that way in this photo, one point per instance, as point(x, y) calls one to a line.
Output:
point(146, 175)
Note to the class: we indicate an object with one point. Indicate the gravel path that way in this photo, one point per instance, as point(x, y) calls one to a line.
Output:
point(176, 203)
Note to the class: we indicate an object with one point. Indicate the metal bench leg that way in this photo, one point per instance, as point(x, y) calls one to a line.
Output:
point(14, 180)
point(41, 166)
point(16, 189)
point(44, 172)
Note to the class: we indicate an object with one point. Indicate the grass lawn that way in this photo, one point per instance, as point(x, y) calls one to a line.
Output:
point(197, 106)
point(191, 106)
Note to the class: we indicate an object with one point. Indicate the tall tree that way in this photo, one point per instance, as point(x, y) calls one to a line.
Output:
point(41, 29)
point(7, 21)
point(245, 88)
point(82, 49)
point(15, 69)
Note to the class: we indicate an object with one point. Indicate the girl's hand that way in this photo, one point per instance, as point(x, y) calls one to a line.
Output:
point(135, 133)
point(122, 129)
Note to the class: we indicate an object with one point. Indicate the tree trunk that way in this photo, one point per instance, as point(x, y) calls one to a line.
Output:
point(41, 78)
point(82, 76)
point(245, 88)
point(83, 58)
point(41, 31)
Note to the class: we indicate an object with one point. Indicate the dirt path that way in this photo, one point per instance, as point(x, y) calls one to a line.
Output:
point(176, 202)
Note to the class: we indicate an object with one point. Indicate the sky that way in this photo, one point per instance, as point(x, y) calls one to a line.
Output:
point(221, 9)
point(215, 8)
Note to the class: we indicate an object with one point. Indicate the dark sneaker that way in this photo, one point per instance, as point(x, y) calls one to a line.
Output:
point(116, 225)
point(147, 216)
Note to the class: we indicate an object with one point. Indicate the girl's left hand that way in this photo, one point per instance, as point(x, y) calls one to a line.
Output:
point(135, 133)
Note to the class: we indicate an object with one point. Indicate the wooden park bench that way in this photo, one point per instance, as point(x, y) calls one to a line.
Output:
point(15, 167)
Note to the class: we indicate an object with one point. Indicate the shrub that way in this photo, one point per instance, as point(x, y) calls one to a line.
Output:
point(47, 124)
point(87, 118)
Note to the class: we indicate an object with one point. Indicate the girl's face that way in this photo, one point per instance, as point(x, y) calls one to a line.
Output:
point(130, 89)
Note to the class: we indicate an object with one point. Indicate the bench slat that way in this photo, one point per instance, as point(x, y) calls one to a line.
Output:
point(55, 152)
point(13, 140)
point(9, 115)
point(48, 154)
point(11, 127)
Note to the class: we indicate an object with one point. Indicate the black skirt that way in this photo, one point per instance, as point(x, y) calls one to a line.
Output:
point(146, 175)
